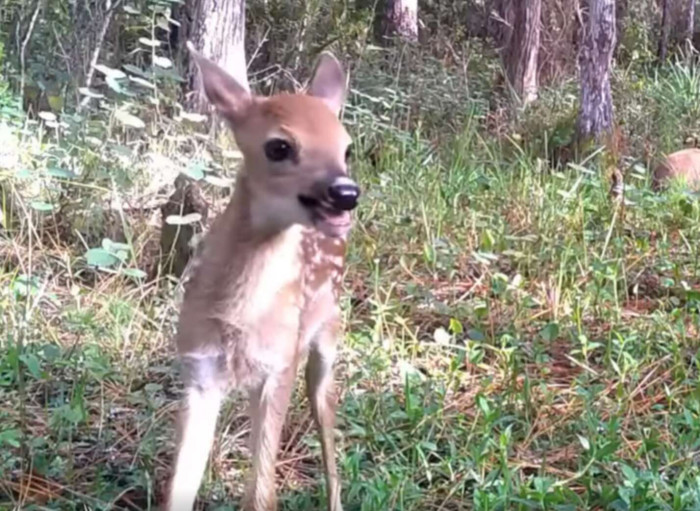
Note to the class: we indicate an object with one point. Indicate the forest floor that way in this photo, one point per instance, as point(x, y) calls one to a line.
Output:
point(514, 340)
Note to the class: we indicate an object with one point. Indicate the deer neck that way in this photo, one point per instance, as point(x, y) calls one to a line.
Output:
point(243, 225)
point(249, 264)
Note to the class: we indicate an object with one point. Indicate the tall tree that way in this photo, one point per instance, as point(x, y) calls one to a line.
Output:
point(401, 19)
point(595, 61)
point(689, 25)
point(520, 55)
point(217, 30)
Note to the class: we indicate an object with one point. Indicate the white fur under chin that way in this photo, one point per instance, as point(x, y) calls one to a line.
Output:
point(278, 213)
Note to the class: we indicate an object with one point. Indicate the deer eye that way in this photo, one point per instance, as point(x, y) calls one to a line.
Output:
point(348, 153)
point(278, 149)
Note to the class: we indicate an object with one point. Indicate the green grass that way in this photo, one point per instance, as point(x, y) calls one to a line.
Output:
point(514, 339)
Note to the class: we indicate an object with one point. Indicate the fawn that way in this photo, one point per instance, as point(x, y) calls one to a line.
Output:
point(264, 287)
point(681, 165)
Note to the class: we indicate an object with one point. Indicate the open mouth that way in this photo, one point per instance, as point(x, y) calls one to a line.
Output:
point(329, 220)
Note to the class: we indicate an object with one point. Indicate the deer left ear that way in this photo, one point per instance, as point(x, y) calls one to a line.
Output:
point(329, 82)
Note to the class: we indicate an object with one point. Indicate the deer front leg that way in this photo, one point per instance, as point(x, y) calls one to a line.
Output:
point(269, 404)
point(197, 424)
point(320, 386)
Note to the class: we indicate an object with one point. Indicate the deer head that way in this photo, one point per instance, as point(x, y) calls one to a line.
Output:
point(294, 146)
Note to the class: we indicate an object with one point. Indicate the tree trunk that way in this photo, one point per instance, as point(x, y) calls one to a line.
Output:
point(401, 19)
point(217, 30)
point(595, 61)
point(521, 53)
point(501, 20)
point(689, 28)
point(663, 37)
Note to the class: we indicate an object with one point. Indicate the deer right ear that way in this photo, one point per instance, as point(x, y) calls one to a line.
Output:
point(229, 96)
point(329, 82)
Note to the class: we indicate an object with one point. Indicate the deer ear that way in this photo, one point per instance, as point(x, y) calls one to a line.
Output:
point(230, 97)
point(329, 82)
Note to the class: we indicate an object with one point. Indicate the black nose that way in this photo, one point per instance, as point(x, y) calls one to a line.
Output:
point(343, 194)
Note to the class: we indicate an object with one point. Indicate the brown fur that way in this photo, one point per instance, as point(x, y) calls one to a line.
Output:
point(683, 164)
point(264, 288)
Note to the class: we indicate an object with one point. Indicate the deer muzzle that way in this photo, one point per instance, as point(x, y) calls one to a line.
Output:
point(343, 194)
point(331, 204)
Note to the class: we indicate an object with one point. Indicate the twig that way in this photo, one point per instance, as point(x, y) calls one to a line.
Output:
point(25, 42)
point(64, 54)
point(98, 47)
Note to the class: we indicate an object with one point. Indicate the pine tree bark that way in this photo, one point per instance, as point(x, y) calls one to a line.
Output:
point(217, 30)
point(521, 53)
point(401, 20)
point(595, 62)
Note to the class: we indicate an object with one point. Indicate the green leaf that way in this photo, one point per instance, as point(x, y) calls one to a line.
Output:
point(151, 43)
point(51, 352)
point(10, 437)
point(114, 246)
point(135, 273)
point(456, 327)
point(110, 72)
point(48, 116)
point(629, 473)
point(101, 258)
point(183, 220)
point(131, 10)
point(168, 73)
point(114, 84)
point(59, 172)
point(692, 294)
point(142, 82)
point(584, 442)
point(475, 335)
point(550, 332)
point(32, 364)
point(163, 62)
point(23, 173)
point(129, 120)
point(195, 169)
point(41, 206)
point(135, 70)
point(607, 449)
point(483, 403)
point(90, 93)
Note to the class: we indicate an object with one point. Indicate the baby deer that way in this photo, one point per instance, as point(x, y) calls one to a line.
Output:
point(264, 288)
point(682, 165)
